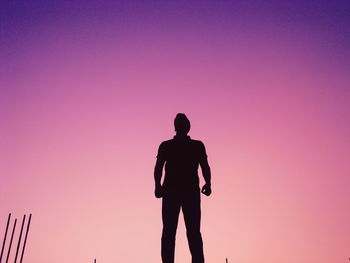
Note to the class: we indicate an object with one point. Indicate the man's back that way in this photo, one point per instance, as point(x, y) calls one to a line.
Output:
point(182, 156)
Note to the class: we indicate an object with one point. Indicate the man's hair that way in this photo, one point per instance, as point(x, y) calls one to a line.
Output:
point(182, 124)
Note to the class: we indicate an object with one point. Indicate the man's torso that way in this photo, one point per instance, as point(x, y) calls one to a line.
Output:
point(182, 157)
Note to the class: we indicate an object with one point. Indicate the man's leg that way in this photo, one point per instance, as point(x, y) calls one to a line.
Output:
point(170, 216)
point(192, 215)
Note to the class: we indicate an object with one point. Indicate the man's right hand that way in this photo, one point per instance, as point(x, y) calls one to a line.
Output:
point(206, 189)
point(158, 192)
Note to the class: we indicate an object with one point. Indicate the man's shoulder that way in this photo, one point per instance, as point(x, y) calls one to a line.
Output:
point(166, 143)
point(174, 141)
point(197, 142)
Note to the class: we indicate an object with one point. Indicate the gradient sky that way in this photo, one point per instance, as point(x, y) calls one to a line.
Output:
point(89, 89)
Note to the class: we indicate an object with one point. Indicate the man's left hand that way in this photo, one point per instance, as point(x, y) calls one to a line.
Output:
point(158, 192)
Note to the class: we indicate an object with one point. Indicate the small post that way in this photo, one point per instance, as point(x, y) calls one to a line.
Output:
point(13, 232)
point(95, 260)
point(20, 237)
point(226, 260)
point(3, 243)
point(25, 239)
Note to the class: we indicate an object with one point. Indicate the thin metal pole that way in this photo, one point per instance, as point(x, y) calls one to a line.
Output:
point(3, 243)
point(25, 239)
point(13, 232)
point(20, 237)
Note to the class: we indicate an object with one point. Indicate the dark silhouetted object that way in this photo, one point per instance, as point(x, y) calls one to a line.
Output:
point(25, 239)
point(180, 190)
point(4, 242)
point(20, 237)
point(13, 232)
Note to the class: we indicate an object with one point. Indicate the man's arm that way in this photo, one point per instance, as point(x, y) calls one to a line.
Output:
point(206, 175)
point(158, 170)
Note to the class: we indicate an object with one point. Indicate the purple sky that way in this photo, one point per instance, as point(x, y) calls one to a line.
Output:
point(88, 90)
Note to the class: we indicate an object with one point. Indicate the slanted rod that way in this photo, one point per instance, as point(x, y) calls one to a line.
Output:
point(25, 239)
point(4, 242)
point(13, 232)
point(20, 237)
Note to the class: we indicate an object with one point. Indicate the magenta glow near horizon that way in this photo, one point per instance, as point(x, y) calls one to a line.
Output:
point(90, 89)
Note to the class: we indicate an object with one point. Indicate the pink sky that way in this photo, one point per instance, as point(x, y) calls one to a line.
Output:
point(85, 109)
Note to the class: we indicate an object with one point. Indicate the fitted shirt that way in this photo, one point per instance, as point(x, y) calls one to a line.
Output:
point(182, 156)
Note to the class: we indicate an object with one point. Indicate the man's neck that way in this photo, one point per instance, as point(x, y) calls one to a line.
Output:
point(181, 136)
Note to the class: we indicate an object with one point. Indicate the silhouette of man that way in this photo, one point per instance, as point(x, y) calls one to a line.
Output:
point(180, 190)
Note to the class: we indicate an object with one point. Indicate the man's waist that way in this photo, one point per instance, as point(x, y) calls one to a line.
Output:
point(192, 182)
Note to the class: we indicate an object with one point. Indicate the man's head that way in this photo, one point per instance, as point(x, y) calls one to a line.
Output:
point(182, 124)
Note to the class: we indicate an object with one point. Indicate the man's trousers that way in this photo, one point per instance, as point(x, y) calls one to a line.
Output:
point(189, 202)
